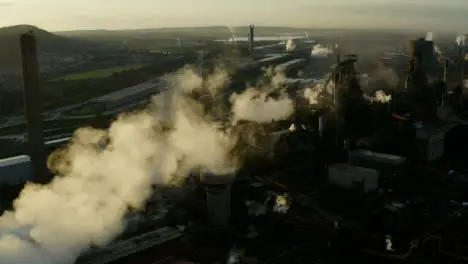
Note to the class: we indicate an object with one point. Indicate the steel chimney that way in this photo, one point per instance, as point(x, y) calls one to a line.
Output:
point(33, 106)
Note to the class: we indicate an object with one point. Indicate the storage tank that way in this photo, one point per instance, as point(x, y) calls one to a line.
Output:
point(352, 177)
point(218, 197)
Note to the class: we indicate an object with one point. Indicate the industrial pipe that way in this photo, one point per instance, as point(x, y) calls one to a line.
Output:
point(32, 105)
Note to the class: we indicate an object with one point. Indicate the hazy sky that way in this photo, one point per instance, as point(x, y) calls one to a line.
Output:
point(55, 15)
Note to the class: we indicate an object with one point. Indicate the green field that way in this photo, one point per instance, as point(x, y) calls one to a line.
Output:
point(99, 73)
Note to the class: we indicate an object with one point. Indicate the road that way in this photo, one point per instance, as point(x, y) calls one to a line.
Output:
point(59, 112)
point(55, 113)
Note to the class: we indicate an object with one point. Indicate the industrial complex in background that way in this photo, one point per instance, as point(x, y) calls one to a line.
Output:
point(364, 170)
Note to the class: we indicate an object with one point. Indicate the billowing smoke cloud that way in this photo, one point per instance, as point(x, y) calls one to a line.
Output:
point(382, 76)
point(86, 205)
point(263, 104)
point(388, 75)
point(319, 51)
point(312, 94)
point(290, 45)
point(379, 97)
point(255, 105)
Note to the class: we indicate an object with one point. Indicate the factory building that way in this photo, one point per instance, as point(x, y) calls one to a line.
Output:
point(118, 101)
point(15, 170)
point(290, 66)
point(423, 52)
point(301, 82)
point(353, 177)
point(390, 167)
point(430, 140)
point(128, 95)
point(279, 58)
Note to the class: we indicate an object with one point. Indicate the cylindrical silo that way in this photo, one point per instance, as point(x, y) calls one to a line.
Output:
point(218, 195)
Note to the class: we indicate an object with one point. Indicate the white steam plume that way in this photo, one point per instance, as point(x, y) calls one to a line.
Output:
point(312, 93)
point(258, 104)
point(255, 105)
point(319, 51)
point(233, 34)
point(290, 45)
point(388, 75)
point(379, 97)
point(382, 76)
point(430, 36)
point(460, 40)
point(86, 205)
point(437, 51)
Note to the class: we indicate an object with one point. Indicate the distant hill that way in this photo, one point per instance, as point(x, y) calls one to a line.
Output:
point(47, 42)
point(187, 32)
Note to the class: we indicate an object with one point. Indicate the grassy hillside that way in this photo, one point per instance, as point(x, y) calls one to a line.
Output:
point(47, 42)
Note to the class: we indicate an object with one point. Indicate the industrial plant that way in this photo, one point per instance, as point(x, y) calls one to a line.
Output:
point(324, 161)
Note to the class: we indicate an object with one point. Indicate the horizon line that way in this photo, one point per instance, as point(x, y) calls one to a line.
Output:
point(234, 26)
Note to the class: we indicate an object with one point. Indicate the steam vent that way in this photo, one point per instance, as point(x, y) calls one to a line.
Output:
point(218, 195)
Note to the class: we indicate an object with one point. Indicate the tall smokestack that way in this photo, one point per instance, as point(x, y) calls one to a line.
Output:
point(445, 70)
point(321, 126)
point(251, 38)
point(32, 105)
point(462, 65)
point(218, 197)
point(336, 78)
point(338, 57)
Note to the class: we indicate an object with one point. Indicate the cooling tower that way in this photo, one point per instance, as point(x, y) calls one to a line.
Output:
point(218, 195)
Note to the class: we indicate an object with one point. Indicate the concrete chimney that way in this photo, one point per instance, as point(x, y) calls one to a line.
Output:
point(32, 106)
point(462, 65)
point(445, 70)
point(321, 126)
point(218, 195)
point(251, 38)
point(338, 57)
